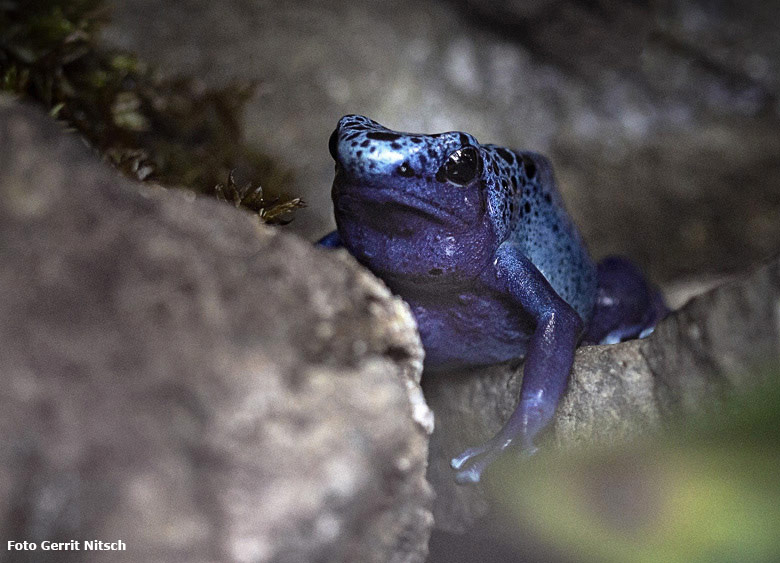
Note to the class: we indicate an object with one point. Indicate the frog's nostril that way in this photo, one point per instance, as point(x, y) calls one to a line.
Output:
point(333, 144)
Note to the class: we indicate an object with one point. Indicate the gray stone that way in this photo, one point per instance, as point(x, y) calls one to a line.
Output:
point(178, 376)
point(714, 347)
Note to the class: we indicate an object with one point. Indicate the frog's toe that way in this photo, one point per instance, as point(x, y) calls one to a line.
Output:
point(647, 332)
point(469, 476)
point(462, 459)
point(472, 473)
point(472, 463)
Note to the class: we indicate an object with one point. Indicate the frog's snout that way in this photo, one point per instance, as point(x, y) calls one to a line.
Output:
point(367, 153)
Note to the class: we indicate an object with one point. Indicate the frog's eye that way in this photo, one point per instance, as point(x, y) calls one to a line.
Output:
point(461, 167)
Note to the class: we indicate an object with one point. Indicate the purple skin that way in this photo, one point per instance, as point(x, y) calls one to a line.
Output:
point(477, 240)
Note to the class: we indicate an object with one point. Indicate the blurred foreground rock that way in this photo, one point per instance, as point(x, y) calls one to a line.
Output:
point(718, 345)
point(179, 377)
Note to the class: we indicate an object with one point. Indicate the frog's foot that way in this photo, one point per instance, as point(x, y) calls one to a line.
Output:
point(471, 464)
point(627, 306)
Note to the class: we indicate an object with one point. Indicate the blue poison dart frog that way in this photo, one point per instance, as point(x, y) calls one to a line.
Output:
point(477, 240)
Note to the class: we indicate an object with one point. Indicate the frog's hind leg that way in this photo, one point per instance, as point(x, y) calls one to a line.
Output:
point(627, 306)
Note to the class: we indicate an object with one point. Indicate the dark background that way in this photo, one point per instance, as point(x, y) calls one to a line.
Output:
point(661, 118)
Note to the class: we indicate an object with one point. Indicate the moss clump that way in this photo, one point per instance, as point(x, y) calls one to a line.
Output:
point(172, 131)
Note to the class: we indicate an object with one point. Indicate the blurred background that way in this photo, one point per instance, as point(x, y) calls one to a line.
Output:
point(660, 117)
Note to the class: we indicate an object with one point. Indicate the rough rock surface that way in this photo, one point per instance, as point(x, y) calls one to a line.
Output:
point(661, 118)
point(713, 347)
point(177, 376)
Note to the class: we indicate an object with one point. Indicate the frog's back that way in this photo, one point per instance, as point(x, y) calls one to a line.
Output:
point(526, 204)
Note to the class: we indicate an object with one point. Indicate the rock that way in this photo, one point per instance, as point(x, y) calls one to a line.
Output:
point(660, 117)
point(715, 346)
point(182, 378)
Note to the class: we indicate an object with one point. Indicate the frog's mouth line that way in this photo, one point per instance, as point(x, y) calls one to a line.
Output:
point(386, 200)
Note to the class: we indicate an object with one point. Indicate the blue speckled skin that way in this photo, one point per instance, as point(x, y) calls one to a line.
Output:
point(488, 259)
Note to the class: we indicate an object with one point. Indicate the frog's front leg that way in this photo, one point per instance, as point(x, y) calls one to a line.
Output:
point(548, 359)
point(331, 240)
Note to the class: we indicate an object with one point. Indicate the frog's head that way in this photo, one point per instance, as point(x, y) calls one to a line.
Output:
point(411, 207)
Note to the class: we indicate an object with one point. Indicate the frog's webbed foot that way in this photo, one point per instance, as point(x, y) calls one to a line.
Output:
point(472, 463)
point(627, 306)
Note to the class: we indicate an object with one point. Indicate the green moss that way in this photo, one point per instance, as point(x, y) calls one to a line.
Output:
point(173, 131)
